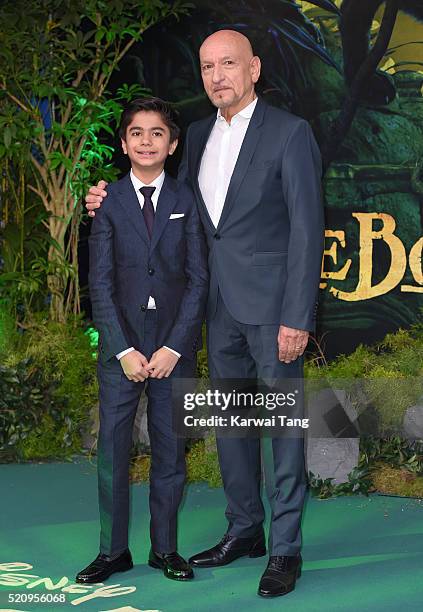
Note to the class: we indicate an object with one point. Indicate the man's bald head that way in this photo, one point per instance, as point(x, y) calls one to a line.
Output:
point(229, 37)
point(229, 70)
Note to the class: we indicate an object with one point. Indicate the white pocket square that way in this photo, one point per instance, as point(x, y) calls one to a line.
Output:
point(177, 215)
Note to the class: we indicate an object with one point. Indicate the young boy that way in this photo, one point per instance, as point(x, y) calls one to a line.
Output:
point(148, 285)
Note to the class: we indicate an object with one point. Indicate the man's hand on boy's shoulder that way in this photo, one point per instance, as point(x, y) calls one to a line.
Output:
point(162, 363)
point(95, 196)
point(134, 366)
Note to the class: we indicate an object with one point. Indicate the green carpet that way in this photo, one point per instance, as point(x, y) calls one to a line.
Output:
point(360, 554)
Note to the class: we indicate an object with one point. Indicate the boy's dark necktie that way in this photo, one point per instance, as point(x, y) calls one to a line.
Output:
point(148, 208)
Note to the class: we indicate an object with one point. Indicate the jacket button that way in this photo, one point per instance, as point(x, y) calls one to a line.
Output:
point(151, 271)
point(217, 236)
point(143, 307)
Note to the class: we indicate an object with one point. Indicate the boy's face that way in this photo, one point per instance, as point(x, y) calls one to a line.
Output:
point(147, 142)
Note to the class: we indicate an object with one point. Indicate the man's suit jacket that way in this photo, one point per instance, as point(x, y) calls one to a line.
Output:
point(126, 268)
point(265, 254)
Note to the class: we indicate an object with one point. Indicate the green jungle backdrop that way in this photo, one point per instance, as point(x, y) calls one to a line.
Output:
point(65, 65)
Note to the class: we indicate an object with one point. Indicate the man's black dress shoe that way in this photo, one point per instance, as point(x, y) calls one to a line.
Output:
point(101, 568)
point(172, 564)
point(229, 549)
point(280, 576)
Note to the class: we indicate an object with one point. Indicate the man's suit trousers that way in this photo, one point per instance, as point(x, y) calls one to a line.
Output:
point(241, 351)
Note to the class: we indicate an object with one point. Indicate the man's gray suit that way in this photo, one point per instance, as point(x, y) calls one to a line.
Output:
point(264, 261)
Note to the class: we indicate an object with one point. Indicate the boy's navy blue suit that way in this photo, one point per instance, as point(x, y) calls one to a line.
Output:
point(126, 267)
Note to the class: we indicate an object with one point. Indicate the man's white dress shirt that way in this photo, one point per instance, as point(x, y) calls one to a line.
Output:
point(219, 159)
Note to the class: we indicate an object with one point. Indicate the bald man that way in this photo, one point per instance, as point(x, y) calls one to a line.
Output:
point(256, 173)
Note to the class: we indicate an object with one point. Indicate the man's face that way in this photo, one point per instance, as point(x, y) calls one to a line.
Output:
point(147, 141)
point(229, 70)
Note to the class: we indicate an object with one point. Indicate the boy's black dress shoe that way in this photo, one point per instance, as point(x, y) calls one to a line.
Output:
point(280, 576)
point(229, 549)
point(101, 568)
point(172, 564)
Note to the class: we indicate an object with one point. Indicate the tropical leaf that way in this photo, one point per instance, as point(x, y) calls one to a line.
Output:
point(301, 38)
point(327, 5)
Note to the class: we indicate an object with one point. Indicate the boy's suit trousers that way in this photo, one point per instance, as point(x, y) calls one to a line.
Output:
point(119, 398)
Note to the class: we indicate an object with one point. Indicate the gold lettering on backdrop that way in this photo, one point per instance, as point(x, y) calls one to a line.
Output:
point(364, 289)
point(415, 261)
point(332, 252)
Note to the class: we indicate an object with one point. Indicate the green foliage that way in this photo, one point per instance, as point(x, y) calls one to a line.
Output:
point(48, 386)
point(202, 365)
point(24, 252)
point(65, 355)
point(8, 334)
point(390, 374)
point(397, 481)
point(57, 59)
point(24, 240)
point(50, 438)
point(394, 451)
point(25, 400)
point(391, 393)
point(354, 365)
point(139, 469)
point(359, 481)
point(401, 350)
point(203, 465)
point(376, 455)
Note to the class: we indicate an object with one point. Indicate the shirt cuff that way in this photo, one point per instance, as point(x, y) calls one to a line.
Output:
point(125, 352)
point(172, 351)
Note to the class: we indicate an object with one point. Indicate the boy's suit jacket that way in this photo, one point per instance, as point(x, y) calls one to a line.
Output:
point(126, 268)
point(265, 254)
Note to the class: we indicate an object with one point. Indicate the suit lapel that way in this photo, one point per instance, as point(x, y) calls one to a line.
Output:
point(197, 153)
point(166, 203)
point(244, 158)
point(130, 203)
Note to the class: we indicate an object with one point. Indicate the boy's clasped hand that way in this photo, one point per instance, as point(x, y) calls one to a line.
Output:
point(137, 367)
